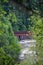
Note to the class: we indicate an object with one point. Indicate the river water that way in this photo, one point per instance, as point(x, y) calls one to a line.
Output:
point(26, 49)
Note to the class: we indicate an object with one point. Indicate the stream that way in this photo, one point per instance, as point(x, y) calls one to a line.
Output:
point(26, 50)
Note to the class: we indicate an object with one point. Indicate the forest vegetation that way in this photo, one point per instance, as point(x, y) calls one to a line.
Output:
point(11, 20)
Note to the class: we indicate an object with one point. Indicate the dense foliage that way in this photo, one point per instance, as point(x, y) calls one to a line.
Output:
point(9, 47)
point(12, 18)
point(18, 17)
point(37, 30)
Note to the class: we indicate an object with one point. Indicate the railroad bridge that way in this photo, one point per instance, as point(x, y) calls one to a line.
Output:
point(22, 35)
